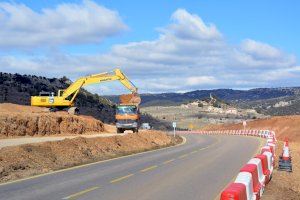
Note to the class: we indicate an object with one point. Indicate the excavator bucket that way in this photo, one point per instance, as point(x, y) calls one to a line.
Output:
point(130, 99)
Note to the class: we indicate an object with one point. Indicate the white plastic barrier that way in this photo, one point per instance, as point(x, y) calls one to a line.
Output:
point(246, 179)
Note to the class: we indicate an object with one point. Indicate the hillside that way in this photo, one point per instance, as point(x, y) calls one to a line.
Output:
point(17, 89)
point(287, 105)
point(198, 113)
point(268, 101)
point(284, 126)
point(225, 94)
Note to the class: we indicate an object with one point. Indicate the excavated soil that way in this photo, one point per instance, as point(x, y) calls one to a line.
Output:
point(31, 159)
point(18, 120)
point(284, 185)
point(284, 126)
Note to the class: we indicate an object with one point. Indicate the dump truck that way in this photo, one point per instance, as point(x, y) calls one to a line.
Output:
point(128, 113)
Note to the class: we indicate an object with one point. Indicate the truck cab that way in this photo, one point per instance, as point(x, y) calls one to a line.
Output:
point(127, 118)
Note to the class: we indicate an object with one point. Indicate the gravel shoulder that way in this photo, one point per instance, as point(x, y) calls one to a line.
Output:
point(31, 140)
point(26, 160)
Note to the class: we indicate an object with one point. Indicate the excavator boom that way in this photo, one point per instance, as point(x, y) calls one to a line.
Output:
point(65, 98)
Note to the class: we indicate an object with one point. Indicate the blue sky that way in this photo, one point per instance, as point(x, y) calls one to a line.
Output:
point(273, 22)
point(250, 43)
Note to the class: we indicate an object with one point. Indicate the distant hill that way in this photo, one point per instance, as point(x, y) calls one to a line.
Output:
point(16, 88)
point(261, 99)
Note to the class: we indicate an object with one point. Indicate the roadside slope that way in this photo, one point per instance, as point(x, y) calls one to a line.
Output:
point(285, 186)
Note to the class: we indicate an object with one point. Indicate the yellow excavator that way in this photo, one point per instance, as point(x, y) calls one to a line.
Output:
point(127, 113)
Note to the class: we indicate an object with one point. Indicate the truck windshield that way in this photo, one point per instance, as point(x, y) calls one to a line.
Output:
point(126, 110)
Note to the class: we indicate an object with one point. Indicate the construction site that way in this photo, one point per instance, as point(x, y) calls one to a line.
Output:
point(149, 100)
point(50, 136)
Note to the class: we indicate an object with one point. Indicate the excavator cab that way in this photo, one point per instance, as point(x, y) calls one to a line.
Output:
point(46, 94)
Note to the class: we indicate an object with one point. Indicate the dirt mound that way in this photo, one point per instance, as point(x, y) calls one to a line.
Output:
point(17, 120)
point(284, 126)
point(27, 160)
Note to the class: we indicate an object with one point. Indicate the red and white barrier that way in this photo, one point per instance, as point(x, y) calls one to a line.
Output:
point(245, 178)
point(258, 171)
point(272, 147)
point(234, 191)
point(261, 176)
point(257, 187)
point(270, 162)
point(265, 169)
point(266, 148)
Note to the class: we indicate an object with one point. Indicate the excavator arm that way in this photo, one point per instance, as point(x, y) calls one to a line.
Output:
point(65, 98)
point(117, 74)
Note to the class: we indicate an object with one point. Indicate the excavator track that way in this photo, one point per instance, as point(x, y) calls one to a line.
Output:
point(73, 111)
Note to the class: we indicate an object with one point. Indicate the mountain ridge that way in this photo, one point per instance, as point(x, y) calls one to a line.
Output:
point(263, 100)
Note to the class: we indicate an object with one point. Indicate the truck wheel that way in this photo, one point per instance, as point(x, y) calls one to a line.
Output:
point(135, 130)
point(119, 130)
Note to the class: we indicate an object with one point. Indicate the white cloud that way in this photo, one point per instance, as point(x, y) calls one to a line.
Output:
point(260, 49)
point(68, 23)
point(201, 80)
point(188, 26)
point(187, 55)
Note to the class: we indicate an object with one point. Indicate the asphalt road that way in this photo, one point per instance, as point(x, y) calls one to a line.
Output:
point(199, 169)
